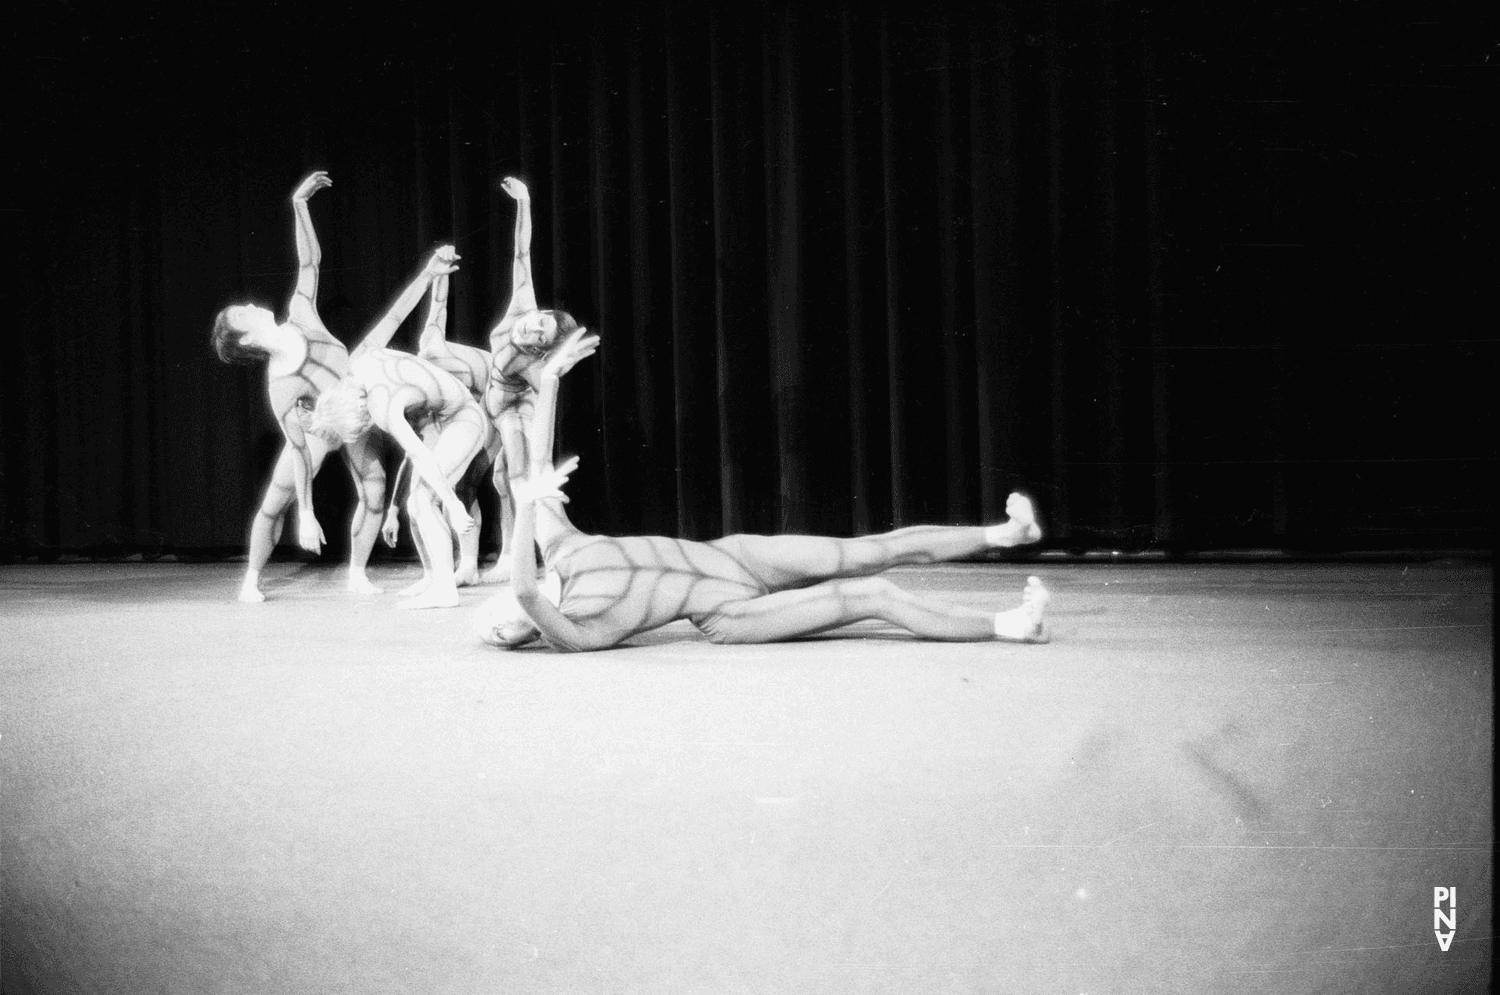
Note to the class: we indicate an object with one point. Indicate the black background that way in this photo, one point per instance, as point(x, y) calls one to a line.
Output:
point(1194, 279)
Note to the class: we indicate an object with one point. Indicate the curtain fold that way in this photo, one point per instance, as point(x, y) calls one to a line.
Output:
point(1179, 278)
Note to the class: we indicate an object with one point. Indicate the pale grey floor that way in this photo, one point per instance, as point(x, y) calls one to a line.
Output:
point(1230, 778)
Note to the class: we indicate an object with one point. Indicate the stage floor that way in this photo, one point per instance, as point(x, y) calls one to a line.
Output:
point(1216, 778)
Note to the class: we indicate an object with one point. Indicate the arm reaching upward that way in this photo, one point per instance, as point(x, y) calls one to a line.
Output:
point(522, 291)
point(580, 345)
point(560, 631)
point(443, 262)
point(304, 305)
point(436, 328)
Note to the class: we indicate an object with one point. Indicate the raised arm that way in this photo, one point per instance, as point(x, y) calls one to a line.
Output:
point(561, 632)
point(435, 331)
point(443, 262)
point(522, 291)
point(580, 345)
point(304, 305)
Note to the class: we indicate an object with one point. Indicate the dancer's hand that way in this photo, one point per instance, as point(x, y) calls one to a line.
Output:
point(314, 182)
point(444, 261)
point(390, 531)
point(310, 533)
point(515, 188)
point(548, 484)
point(579, 345)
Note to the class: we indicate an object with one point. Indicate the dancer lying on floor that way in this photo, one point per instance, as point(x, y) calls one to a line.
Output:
point(471, 366)
point(397, 392)
point(303, 360)
point(739, 589)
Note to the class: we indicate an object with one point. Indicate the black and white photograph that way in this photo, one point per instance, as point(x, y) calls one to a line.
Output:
point(696, 499)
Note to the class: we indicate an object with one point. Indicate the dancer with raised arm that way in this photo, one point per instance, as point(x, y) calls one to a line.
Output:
point(399, 393)
point(521, 340)
point(471, 366)
point(739, 589)
point(303, 360)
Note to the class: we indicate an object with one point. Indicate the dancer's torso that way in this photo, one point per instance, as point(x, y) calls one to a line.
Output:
point(632, 584)
point(324, 364)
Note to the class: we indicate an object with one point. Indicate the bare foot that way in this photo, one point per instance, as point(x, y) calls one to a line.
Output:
point(497, 574)
point(250, 593)
point(360, 584)
point(467, 575)
point(1026, 624)
point(436, 596)
point(1021, 527)
point(415, 589)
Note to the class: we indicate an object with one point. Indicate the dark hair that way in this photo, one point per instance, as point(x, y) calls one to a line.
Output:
point(227, 342)
point(565, 324)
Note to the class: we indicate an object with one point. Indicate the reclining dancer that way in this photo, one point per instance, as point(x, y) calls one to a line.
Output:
point(303, 360)
point(739, 589)
point(518, 343)
point(396, 392)
point(471, 366)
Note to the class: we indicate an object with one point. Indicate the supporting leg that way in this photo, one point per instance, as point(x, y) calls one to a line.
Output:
point(368, 474)
point(265, 527)
point(417, 499)
point(457, 442)
point(435, 545)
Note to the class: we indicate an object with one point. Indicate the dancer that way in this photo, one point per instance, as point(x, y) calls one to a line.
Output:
point(396, 392)
point(303, 360)
point(471, 366)
point(739, 589)
point(518, 343)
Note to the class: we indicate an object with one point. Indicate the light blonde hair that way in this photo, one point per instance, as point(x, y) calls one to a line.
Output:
point(341, 414)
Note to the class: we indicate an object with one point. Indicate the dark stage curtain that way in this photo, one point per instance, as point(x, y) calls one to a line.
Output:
point(1192, 279)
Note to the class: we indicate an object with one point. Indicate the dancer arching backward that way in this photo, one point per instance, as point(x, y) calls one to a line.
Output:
point(739, 589)
point(396, 392)
point(303, 360)
point(471, 366)
point(518, 343)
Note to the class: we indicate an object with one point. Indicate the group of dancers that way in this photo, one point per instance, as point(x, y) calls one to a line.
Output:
point(456, 410)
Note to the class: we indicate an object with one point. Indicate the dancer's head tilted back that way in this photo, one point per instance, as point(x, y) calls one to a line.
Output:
point(240, 333)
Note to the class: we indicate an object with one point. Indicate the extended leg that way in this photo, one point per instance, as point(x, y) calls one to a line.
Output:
point(782, 562)
point(265, 528)
point(368, 474)
point(811, 610)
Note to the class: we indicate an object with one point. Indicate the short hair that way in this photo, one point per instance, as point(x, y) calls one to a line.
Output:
point(227, 341)
point(340, 414)
point(565, 324)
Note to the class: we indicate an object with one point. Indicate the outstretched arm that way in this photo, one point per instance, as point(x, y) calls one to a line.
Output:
point(580, 345)
point(435, 331)
point(522, 292)
point(561, 632)
point(309, 255)
point(443, 262)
